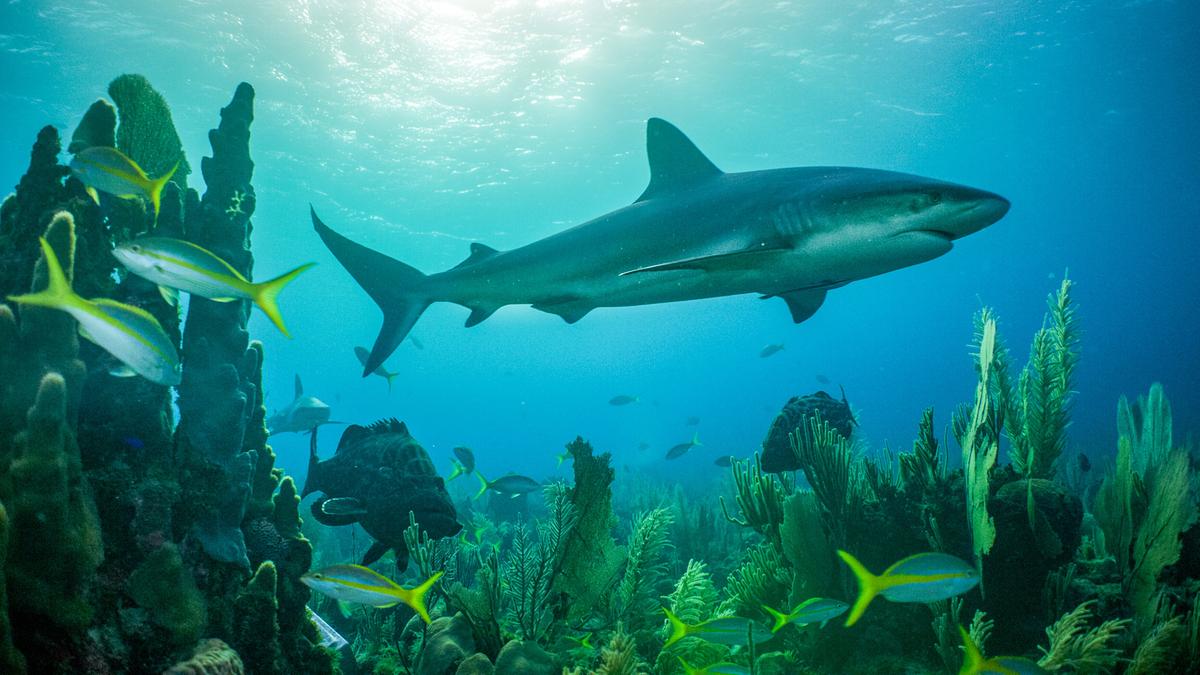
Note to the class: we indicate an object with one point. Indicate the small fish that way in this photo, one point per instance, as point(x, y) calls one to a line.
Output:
point(692, 422)
point(643, 446)
point(725, 460)
point(974, 662)
point(925, 577)
point(770, 350)
point(175, 263)
point(680, 450)
point(329, 637)
point(813, 610)
point(723, 668)
point(563, 456)
point(584, 641)
point(415, 342)
point(727, 630)
point(822, 379)
point(622, 400)
point(129, 333)
point(459, 470)
point(355, 583)
point(513, 485)
point(110, 170)
point(466, 457)
point(1085, 464)
point(362, 355)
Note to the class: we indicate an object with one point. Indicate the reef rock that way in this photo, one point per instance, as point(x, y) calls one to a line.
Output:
point(447, 644)
point(476, 664)
point(777, 455)
point(527, 658)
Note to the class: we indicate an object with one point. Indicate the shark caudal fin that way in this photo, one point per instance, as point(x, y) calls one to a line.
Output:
point(400, 291)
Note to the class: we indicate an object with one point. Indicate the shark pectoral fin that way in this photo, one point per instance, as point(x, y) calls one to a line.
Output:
point(479, 314)
point(803, 304)
point(570, 309)
point(751, 258)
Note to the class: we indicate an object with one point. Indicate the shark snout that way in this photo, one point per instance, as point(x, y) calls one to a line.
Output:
point(970, 210)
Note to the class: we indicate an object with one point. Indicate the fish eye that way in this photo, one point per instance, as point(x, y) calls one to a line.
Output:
point(935, 198)
point(135, 248)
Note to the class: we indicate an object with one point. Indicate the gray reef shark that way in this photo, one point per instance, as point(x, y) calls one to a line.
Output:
point(696, 232)
point(302, 415)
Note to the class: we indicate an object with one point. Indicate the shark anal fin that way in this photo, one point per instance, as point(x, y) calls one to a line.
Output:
point(479, 315)
point(675, 162)
point(479, 253)
point(803, 303)
point(570, 309)
point(738, 260)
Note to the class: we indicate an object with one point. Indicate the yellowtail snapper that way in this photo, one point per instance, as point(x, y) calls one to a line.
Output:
point(925, 577)
point(726, 630)
point(680, 450)
point(130, 334)
point(363, 585)
point(974, 662)
point(813, 610)
point(362, 354)
point(110, 170)
point(179, 264)
point(512, 485)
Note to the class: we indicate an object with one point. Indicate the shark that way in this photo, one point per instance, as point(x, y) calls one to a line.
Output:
point(695, 232)
point(302, 415)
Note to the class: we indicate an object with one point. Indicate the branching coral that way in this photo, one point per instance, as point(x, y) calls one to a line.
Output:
point(532, 565)
point(693, 601)
point(979, 437)
point(760, 498)
point(591, 558)
point(481, 606)
point(1082, 650)
point(828, 461)
point(637, 593)
point(1039, 417)
point(619, 656)
point(762, 579)
point(921, 470)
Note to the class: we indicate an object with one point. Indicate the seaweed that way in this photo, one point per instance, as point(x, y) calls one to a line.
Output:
point(1083, 650)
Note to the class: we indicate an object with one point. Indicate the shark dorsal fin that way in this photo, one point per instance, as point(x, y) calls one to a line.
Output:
point(675, 162)
point(299, 387)
point(479, 253)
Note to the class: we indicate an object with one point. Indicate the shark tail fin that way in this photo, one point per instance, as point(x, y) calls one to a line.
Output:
point(401, 291)
point(390, 377)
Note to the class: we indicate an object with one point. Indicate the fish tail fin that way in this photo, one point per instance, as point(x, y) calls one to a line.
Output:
point(696, 438)
point(688, 669)
point(415, 597)
point(483, 485)
point(154, 188)
point(58, 293)
point(390, 377)
point(868, 587)
point(972, 657)
point(679, 629)
point(458, 471)
point(401, 291)
point(781, 619)
point(265, 295)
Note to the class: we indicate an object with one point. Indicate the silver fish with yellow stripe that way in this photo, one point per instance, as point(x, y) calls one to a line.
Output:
point(182, 265)
point(363, 585)
point(129, 333)
point(925, 577)
point(110, 170)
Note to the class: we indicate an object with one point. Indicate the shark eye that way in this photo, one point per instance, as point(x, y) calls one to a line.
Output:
point(935, 198)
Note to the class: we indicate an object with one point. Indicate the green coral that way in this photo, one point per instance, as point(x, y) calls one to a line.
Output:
point(759, 498)
point(805, 547)
point(839, 482)
point(146, 133)
point(693, 601)
point(531, 567)
point(979, 437)
point(591, 559)
point(165, 588)
point(1074, 646)
point(11, 660)
point(257, 625)
point(638, 592)
point(762, 579)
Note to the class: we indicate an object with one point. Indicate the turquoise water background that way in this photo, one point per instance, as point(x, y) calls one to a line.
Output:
point(418, 127)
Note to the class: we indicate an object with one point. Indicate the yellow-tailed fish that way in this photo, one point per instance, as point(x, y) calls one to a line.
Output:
point(110, 170)
point(363, 585)
point(363, 355)
point(175, 263)
point(724, 668)
point(925, 577)
point(584, 640)
point(129, 333)
point(459, 470)
point(563, 456)
point(726, 630)
point(974, 662)
point(813, 610)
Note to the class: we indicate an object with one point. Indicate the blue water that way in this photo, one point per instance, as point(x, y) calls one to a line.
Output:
point(418, 127)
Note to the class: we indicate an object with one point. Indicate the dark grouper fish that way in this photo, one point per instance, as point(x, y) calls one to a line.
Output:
point(378, 474)
point(695, 232)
